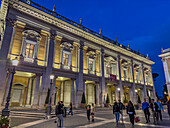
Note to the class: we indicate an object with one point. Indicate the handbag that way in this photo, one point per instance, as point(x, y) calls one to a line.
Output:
point(137, 119)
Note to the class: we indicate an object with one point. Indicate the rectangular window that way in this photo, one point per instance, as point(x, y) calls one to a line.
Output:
point(125, 75)
point(65, 59)
point(91, 64)
point(29, 50)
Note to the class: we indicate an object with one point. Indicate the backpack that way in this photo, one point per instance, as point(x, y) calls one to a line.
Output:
point(56, 109)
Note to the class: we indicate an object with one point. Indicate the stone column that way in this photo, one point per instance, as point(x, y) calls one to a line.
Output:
point(103, 93)
point(134, 97)
point(46, 80)
point(53, 91)
point(144, 96)
point(79, 77)
point(62, 91)
point(120, 80)
point(165, 65)
point(36, 91)
point(61, 59)
point(4, 54)
point(73, 92)
point(97, 93)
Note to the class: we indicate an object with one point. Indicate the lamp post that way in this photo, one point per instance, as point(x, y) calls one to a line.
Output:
point(6, 111)
point(119, 92)
point(49, 103)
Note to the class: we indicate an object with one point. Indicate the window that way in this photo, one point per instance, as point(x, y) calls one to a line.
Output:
point(137, 75)
point(91, 65)
point(66, 59)
point(109, 68)
point(125, 73)
point(29, 50)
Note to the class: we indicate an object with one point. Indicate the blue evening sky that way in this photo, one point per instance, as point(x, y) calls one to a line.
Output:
point(144, 24)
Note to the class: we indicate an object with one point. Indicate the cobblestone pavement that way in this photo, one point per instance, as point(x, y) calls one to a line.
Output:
point(103, 119)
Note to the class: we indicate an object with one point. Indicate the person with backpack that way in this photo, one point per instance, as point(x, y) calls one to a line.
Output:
point(145, 108)
point(121, 107)
point(92, 112)
point(154, 108)
point(116, 111)
point(159, 109)
point(59, 113)
point(88, 108)
point(131, 112)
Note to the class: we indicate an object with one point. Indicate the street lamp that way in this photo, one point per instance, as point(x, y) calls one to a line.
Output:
point(136, 90)
point(49, 103)
point(5, 111)
point(119, 92)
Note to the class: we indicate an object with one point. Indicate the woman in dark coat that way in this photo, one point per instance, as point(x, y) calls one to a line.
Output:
point(168, 105)
point(131, 112)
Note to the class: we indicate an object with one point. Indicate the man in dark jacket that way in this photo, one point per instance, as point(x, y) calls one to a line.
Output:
point(154, 108)
point(121, 107)
point(59, 113)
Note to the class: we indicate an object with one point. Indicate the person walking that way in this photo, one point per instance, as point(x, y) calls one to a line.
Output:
point(70, 109)
point(92, 112)
point(168, 107)
point(121, 107)
point(88, 112)
point(116, 111)
point(131, 112)
point(59, 114)
point(145, 108)
point(154, 108)
point(159, 109)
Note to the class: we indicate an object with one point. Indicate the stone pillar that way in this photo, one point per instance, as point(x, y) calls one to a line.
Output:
point(61, 59)
point(36, 91)
point(97, 93)
point(73, 92)
point(103, 93)
point(4, 54)
point(62, 91)
point(79, 77)
point(144, 87)
point(46, 79)
point(165, 65)
point(53, 91)
point(134, 95)
point(120, 80)
point(28, 95)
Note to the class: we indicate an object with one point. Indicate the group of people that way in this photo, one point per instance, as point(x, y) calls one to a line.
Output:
point(118, 111)
point(156, 108)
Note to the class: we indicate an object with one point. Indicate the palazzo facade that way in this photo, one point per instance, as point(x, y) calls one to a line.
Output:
point(166, 64)
point(81, 60)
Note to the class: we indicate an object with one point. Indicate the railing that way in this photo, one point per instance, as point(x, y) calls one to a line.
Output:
point(31, 3)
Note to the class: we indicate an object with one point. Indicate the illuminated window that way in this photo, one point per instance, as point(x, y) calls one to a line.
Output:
point(137, 75)
point(91, 65)
point(109, 68)
point(29, 50)
point(65, 59)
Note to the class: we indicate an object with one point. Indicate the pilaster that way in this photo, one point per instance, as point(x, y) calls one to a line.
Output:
point(134, 95)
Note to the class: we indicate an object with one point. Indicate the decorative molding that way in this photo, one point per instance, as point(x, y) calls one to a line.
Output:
point(10, 22)
point(53, 36)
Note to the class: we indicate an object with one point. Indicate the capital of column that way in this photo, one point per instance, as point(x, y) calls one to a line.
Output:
point(38, 74)
point(53, 36)
point(10, 22)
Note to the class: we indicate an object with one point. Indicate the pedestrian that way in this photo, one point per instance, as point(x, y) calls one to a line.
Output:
point(116, 111)
point(70, 109)
point(154, 108)
point(131, 112)
point(168, 107)
point(159, 108)
point(145, 108)
point(121, 107)
point(88, 112)
point(59, 113)
point(92, 112)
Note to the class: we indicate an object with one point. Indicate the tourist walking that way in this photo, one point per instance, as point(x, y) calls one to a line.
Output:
point(145, 108)
point(116, 111)
point(121, 107)
point(88, 112)
point(92, 112)
point(159, 108)
point(70, 109)
point(59, 113)
point(131, 112)
point(154, 108)
point(168, 107)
